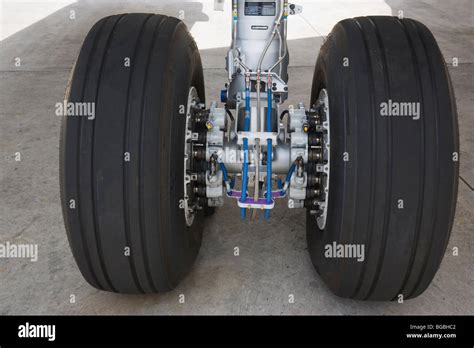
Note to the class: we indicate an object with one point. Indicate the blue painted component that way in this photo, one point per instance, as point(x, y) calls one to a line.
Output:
point(224, 171)
point(224, 95)
point(247, 121)
point(269, 109)
point(269, 150)
point(267, 214)
point(226, 176)
point(247, 110)
point(288, 177)
point(269, 176)
point(280, 184)
point(243, 195)
point(290, 173)
point(247, 99)
point(245, 171)
point(245, 147)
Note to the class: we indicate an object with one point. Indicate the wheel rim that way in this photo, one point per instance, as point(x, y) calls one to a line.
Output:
point(189, 212)
point(325, 166)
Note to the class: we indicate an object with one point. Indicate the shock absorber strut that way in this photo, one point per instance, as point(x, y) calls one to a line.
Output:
point(253, 126)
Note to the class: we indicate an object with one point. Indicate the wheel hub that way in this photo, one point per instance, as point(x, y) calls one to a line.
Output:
point(322, 158)
point(188, 206)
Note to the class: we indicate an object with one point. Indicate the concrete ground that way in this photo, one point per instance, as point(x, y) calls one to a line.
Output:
point(273, 261)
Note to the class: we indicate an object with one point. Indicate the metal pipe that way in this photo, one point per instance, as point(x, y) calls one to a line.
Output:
point(247, 103)
point(296, 162)
point(235, 17)
point(225, 175)
point(269, 147)
point(275, 28)
point(256, 192)
point(285, 29)
point(282, 56)
point(243, 195)
point(288, 178)
point(282, 42)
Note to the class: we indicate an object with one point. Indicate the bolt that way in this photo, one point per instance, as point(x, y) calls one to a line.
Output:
point(212, 178)
point(209, 125)
point(306, 127)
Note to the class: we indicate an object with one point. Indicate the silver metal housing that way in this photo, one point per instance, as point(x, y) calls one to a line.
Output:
point(251, 34)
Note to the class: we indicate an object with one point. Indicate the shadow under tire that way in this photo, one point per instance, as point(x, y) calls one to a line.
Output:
point(393, 179)
point(122, 172)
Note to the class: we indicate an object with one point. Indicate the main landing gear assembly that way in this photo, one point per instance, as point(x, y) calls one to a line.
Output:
point(372, 157)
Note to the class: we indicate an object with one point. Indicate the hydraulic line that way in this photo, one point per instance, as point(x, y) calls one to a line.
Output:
point(279, 184)
point(283, 114)
point(226, 176)
point(282, 55)
point(247, 104)
point(282, 42)
point(256, 193)
point(274, 32)
point(235, 17)
point(269, 147)
point(243, 196)
point(288, 176)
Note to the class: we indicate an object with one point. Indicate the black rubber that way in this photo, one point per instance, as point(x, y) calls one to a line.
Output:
point(134, 204)
point(390, 158)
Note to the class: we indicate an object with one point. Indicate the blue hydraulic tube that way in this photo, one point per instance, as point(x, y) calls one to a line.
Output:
point(226, 177)
point(247, 110)
point(288, 178)
point(290, 173)
point(243, 196)
point(269, 150)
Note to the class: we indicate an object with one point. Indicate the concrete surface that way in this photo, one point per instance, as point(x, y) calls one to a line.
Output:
point(273, 261)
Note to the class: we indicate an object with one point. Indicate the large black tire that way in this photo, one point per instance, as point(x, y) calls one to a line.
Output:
point(132, 204)
point(390, 158)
